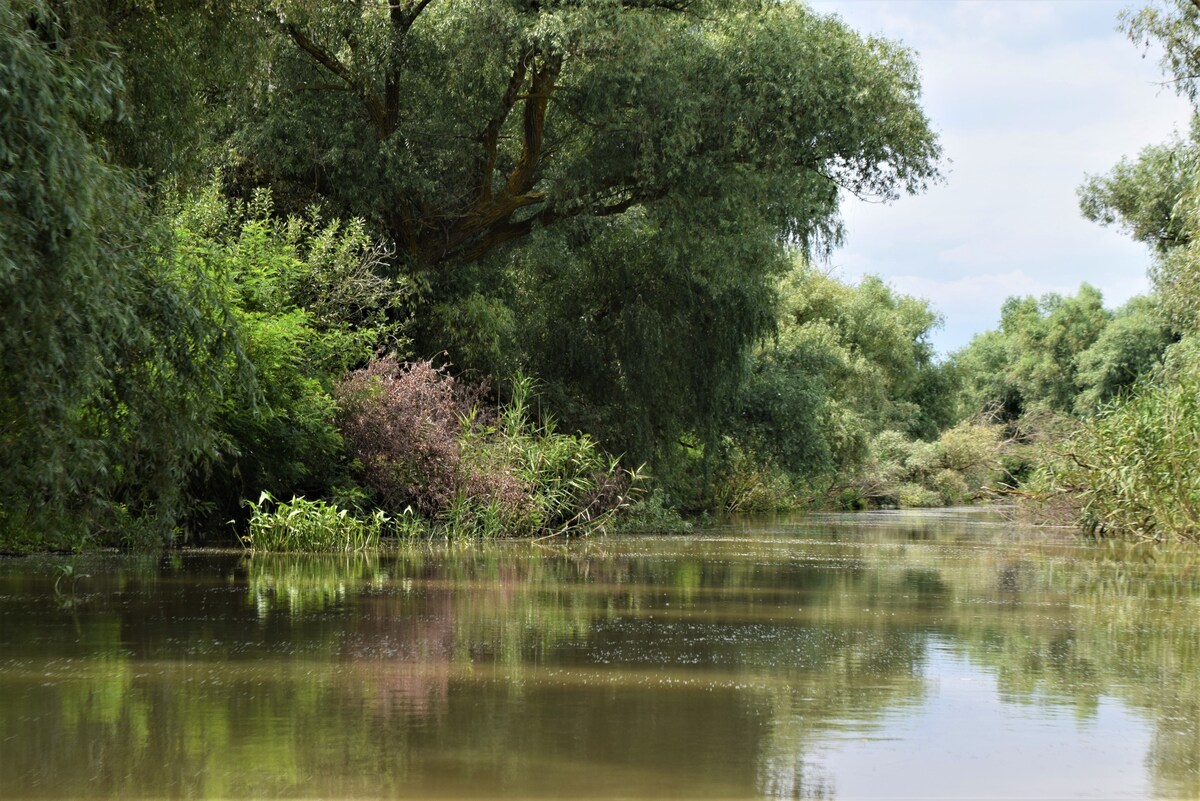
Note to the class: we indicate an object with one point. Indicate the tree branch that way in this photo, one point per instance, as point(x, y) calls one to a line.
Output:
point(323, 87)
point(664, 5)
point(374, 108)
point(403, 16)
point(524, 174)
point(326, 60)
point(490, 136)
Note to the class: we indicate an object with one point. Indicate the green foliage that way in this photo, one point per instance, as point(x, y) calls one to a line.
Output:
point(1129, 347)
point(951, 487)
point(1141, 196)
point(565, 483)
point(574, 486)
point(546, 171)
point(982, 371)
point(1046, 335)
point(745, 484)
point(639, 332)
point(600, 194)
point(846, 363)
point(1156, 198)
point(423, 443)
point(461, 126)
point(1134, 468)
point(971, 449)
point(302, 298)
point(304, 525)
point(180, 62)
point(653, 512)
point(1176, 274)
point(1061, 354)
point(1173, 25)
point(916, 496)
point(1131, 466)
point(960, 467)
point(111, 361)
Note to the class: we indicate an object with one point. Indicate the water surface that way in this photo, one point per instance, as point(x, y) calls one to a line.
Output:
point(891, 655)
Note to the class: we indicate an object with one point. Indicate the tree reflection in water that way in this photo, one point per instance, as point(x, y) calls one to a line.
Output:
point(720, 665)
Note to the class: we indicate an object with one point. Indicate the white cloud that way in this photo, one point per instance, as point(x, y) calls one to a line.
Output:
point(1029, 98)
point(975, 290)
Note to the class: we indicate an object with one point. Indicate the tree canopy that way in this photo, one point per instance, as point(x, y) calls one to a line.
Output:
point(1156, 197)
point(108, 357)
point(1067, 354)
point(461, 126)
point(603, 194)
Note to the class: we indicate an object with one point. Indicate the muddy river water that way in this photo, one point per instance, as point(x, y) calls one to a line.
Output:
point(884, 655)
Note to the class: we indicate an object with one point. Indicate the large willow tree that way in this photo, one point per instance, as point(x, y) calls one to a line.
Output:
point(601, 191)
point(462, 125)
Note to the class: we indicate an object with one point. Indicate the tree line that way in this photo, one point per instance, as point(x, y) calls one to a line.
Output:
point(440, 258)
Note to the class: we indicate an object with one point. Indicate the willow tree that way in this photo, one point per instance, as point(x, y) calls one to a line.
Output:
point(1155, 197)
point(497, 142)
point(462, 125)
point(107, 358)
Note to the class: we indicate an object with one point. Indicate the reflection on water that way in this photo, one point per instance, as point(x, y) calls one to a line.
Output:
point(924, 655)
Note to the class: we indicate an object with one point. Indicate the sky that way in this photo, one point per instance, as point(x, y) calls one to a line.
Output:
point(1029, 97)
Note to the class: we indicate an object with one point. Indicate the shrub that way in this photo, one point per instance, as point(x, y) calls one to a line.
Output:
point(403, 423)
point(1030, 441)
point(904, 472)
point(891, 447)
point(971, 449)
point(1135, 467)
point(653, 512)
point(851, 499)
point(876, 481)
point(950, 486)
point(302, 300)
point(571, 484)
point(424, 441)
point(747, 485)
point(924, 460)
point(911, 496)
point(303, 525)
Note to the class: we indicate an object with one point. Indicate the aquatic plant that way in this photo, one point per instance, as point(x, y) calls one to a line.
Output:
point(304, 525)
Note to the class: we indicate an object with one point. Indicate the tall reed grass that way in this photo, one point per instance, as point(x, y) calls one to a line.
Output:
point(564, 483)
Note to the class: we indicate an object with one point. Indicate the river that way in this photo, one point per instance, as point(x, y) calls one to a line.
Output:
point(887, 655)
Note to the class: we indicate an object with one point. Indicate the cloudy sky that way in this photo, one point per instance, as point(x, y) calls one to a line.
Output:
point(1029, 96)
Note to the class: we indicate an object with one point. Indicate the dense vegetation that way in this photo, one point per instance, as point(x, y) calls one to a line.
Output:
point(440, 258)
point(1133, 466)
